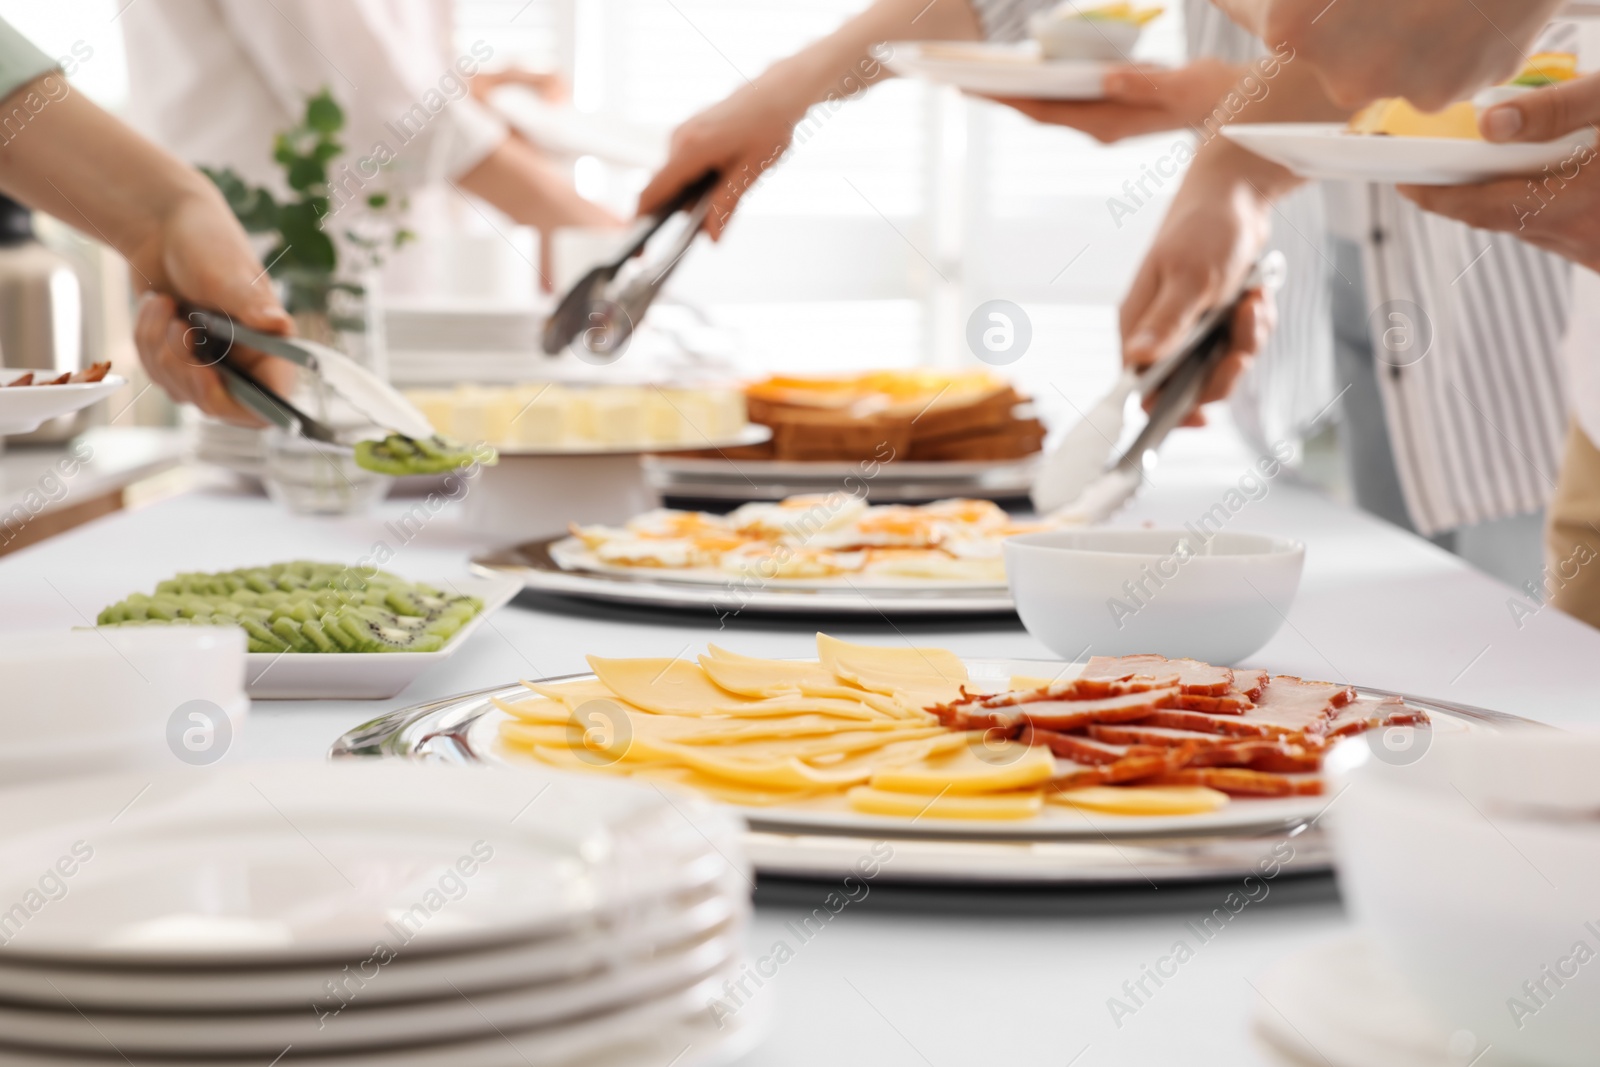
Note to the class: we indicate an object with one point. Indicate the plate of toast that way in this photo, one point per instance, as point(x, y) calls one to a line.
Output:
point(894, 436)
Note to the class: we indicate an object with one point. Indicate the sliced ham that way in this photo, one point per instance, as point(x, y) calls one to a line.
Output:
point(1213, 750)
point(1250, 682)
point(1083, 749)
point(1230, 703)
point(1192, 675)
point(1287, 707)
point(1141, 733)
point(1372, 713)
point(1147, 763)
point(1073, 714)
point(1239, 781)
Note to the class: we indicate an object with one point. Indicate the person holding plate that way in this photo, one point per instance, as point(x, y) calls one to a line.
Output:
point(1558, 211)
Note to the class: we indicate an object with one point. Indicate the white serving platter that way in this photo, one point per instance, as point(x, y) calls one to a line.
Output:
point(25, 408)
point(535, 567)
point(1329, 151)
point(752, 434)
point(998, 69)
point(369, 675)
point(822, 838)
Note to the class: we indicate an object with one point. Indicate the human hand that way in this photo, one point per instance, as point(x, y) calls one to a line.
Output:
point(1432, 52)
point(200, 255)
point(1212, 235)
point(739, 138)
point(1139, 100)
point(1558, 211)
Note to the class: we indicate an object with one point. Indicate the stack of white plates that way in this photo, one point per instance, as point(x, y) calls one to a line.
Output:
point(359, 914)
point(236, 448)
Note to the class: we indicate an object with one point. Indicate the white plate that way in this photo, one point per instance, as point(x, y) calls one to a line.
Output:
point(471, 724)
point(24, 408)
point(533, 566)
point(368, 675)
point(678, 1030)
point(998, 69)
point(667, 924)
point(447, 1014)
point(572, 555)
point(294, 864)
point(1327, 150)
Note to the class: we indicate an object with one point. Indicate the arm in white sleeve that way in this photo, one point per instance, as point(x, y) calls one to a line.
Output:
point(405, 105)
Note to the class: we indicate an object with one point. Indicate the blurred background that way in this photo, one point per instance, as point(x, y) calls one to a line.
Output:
point(900, 213)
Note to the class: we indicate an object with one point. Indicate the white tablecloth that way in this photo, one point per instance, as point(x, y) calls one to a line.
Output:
point(982, 983)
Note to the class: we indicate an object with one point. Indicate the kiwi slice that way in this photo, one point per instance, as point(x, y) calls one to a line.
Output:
point(399, 456)
point(306, 606)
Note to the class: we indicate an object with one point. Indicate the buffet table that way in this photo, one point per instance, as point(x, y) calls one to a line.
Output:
point(932, 978)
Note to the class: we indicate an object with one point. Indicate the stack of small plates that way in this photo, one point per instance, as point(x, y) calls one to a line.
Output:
point(236, 448)
point(369, 914)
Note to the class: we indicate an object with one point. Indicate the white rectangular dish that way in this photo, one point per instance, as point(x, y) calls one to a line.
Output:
point(367, 675)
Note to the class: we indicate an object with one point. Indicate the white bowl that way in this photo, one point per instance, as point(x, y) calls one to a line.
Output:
point(1119, 592)
point(1475, 868)
point(526, 497)
point(106, 699)
point(1078, 38)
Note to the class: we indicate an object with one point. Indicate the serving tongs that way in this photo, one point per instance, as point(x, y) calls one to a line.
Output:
point(1078, 481)
point(605, 313)
point(371, 397)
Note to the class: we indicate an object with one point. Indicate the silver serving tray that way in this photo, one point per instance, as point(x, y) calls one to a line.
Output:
point(900, 482)
point(538, 570)
point(442, 731)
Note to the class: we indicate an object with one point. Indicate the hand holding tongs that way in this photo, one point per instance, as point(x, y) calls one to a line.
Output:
point(605, 318)
point(371, 396)
point(1077, 480)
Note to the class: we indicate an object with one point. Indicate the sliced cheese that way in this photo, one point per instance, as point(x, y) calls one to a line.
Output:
point(574, 694)
point(1143, 800)
point(970, 769)
point(913, 806)
point(1395, 117)
point(921, 677)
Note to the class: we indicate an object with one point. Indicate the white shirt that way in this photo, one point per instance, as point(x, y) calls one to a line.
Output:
point(215, 80)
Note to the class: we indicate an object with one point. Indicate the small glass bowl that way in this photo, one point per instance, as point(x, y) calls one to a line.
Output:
point(312, 478)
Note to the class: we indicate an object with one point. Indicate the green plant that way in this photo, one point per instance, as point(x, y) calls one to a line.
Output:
point(305, 258)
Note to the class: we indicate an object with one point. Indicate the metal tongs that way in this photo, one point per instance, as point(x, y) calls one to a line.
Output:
point(603, 313)
point(371, 396)
point(1078, 481)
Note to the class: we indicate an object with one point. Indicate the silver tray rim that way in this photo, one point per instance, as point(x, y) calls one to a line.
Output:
point(437, 731)
point(532, 562)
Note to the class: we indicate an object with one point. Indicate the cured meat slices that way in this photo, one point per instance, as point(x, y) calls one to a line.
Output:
point(1250, 682)
point(1372, 713)
point(1072, 714)
point(1063, 712)
point(1192, 675)
point(1230, 703)
point(1150, 720)
point(1242, 782)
